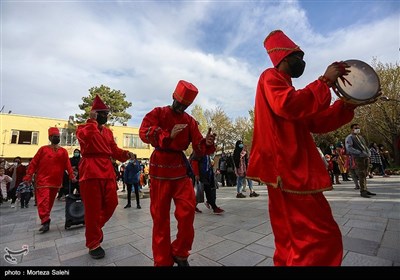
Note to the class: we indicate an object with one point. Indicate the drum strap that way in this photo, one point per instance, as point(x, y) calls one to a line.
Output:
point(360, 143)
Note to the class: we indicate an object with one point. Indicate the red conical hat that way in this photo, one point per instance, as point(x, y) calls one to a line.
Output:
point(98, 104)
point(279, 46)
point(185, 92)
point(54, 131)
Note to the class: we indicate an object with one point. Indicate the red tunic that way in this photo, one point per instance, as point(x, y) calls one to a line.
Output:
point(49, 164)
point(97, 147)
point(170, 181)
point(156, 128)
point(283, 152)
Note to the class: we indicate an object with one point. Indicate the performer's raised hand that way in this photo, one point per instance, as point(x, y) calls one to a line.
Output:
point(177, 129)
point(210, 137)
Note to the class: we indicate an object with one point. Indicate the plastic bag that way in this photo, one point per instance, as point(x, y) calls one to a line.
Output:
point(199, 191)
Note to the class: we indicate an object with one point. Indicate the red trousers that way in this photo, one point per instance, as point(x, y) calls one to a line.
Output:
point(45, 199)
point(161, 194)
point(304, 229)
point(100, 199)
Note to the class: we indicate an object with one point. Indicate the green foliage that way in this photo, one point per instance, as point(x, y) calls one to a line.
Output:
point(198, 114)
point(222, 125)
point(114, 99)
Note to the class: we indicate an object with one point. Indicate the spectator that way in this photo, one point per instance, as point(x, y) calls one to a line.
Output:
point(25, 192)
point(222, 167)
point(357, 149)
point(4, 180)
point(17, 172)
point(204, 172)
point(241, 160)
point(132, 179)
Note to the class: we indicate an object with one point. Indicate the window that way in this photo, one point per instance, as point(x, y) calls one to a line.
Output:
point(23, 137)
point(133, 141)
point(68, 138)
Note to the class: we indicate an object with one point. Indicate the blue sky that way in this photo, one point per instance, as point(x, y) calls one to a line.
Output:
point(53, 52)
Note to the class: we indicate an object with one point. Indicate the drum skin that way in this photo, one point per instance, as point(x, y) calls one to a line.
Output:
point(363, 86)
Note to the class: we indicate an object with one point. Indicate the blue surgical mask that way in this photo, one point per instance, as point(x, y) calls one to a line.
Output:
point(240, 145)
point(77, 154)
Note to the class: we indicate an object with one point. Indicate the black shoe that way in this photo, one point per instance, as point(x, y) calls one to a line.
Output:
point(364, 194)
point(370, 193)
point(138, 207)
point(180, 262)
point(254, 194)
point(127, 206)
point(45, 227)
point(97, 253)
point(357, 188)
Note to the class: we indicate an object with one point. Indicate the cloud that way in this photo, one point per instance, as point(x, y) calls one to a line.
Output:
point(54, 52)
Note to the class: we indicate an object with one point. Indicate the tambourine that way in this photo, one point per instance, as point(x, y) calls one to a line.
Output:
point(361, 86)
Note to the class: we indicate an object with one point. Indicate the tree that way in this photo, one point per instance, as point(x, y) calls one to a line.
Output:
point(383, 117)
point(198, 114)
point(243, 128)
point(114, 99)
point(221, 124)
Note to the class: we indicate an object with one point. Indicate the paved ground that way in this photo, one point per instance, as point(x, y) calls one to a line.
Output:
point(240, 237)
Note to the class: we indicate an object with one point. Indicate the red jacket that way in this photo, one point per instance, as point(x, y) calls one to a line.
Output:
point(97, 148)
point(283, 152)
point(49, 166)
point(167, 160)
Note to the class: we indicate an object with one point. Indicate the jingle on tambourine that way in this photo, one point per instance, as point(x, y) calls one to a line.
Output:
point(360, 86)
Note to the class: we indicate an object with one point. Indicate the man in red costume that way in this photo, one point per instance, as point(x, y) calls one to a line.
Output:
point(170, 130)
point(48, 166)
point(285, 157)
point(97, 179)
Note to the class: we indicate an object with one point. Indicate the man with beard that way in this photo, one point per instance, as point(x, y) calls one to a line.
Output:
point(48, 166)
point(97, 179)
point(170, 130)
point(284, 155)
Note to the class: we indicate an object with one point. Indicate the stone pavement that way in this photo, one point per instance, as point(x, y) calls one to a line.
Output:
point(240, 237)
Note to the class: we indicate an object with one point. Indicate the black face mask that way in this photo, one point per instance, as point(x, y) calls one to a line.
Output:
point(55, 140)
point(296, 66)
point(178, 107)
point(101, 119)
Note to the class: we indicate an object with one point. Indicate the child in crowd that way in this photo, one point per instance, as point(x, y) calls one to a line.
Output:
point(4, 179)
point(25, 192)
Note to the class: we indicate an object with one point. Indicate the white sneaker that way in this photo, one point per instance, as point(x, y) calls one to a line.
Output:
point(12, 205)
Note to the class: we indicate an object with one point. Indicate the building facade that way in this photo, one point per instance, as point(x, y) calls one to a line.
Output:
point(23, 135)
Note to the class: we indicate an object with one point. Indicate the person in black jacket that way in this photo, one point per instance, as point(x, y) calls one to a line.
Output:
point(131, 178)
point(75, 163)
point(203, 172)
